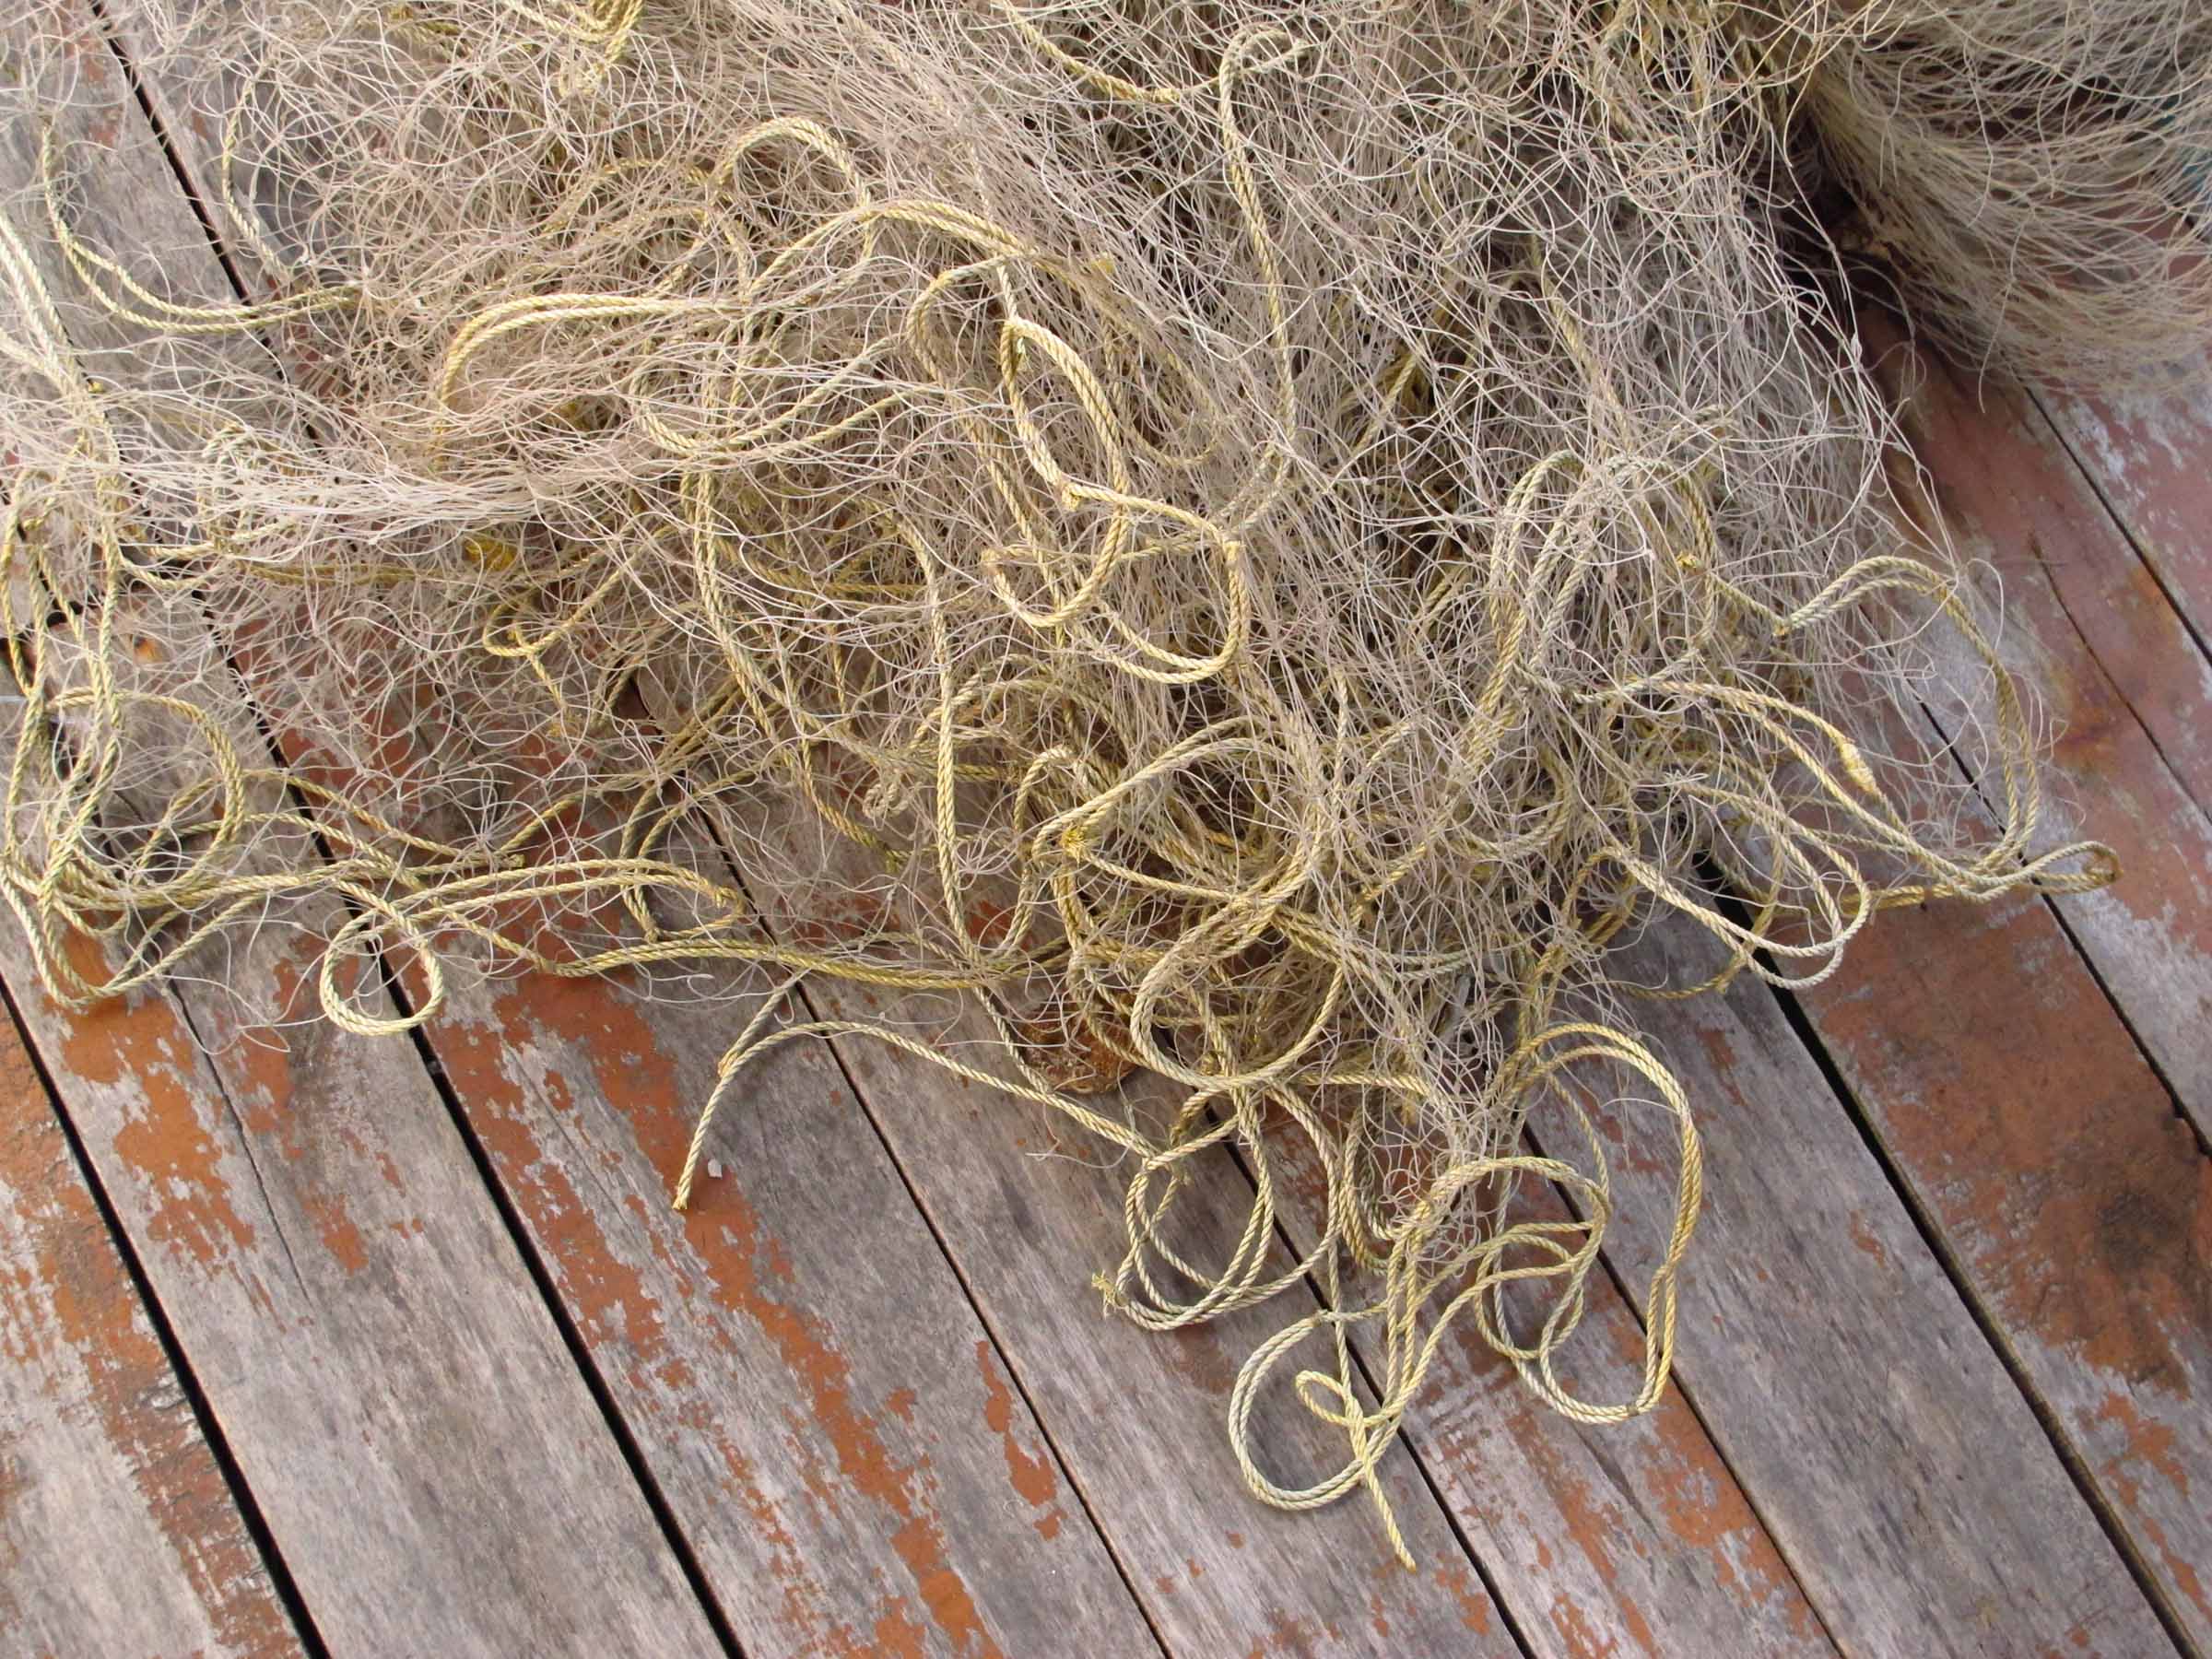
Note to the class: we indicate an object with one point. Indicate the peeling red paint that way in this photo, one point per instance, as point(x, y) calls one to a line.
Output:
point(897, 1636)
point(1474, 1602)
point(2150, 1446)
point(1861, 1236)
point(1289, 1637)
point(2078, 1200)
point(1195, 1354)
point(338, 1233)
point(744, 1265)
point(96, 1316)
point(136, 1045)
point(1030, 1472)
point(1596, 1531)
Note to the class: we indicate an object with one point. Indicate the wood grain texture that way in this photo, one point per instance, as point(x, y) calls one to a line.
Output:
point(1637, 1538)
point(1626, 1539)
point(400, 1405)
point(2148, 452)
point(816, 1401)
point(1139, 1420)
point(2132, 594)
point(1896, 1465)
point(401, 1401)
point(821, 1408)
point(118, 1534)
point(2011, 1095)
point(2083, 622)
point(2075, 1205)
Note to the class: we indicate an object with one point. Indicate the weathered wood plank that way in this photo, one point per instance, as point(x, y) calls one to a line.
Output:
point(2014, 1100)
point(1629, 1539)
point(2074, 1206)
point(824, 1413)
point(2082, 617)
point(2135, 600)
point(1904, 1477)
point(1138, 1419)
point(398, 1397)
point(118, 1534)
point(409, 1421)
point(795, 1351)
point(1637, 1538)
point(2021, 1116)
point(2150, 455)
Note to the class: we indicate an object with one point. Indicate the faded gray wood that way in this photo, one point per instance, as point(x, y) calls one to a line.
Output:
point(821, 1408)
point(1138, 1419)
point(2078, 1211)
point(1627, 1538)
point(1633, 1538)
point(2141, 598)
point(396, 1395)
point(1901, 1471)
point(2069, 1198)
point(2146, 452)
point(117, 1532)
point(400, 1399)
point(816, 1401)
point(2079, 615)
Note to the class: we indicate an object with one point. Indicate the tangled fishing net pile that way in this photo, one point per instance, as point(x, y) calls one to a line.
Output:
point(1263, 539)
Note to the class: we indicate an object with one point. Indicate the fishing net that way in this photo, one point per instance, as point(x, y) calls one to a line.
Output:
point(1260, 541)
point(2034, 176)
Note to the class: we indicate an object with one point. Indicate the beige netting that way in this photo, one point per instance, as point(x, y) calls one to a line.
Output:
point(2035, 174)
point(1265, 536)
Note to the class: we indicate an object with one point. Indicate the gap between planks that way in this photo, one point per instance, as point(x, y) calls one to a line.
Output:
point(376, 1389)
point(523, 1241)
point(903, 1176)
point(96, 1461)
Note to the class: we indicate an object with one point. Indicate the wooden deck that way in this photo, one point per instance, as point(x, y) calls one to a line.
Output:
point(310, 1344)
